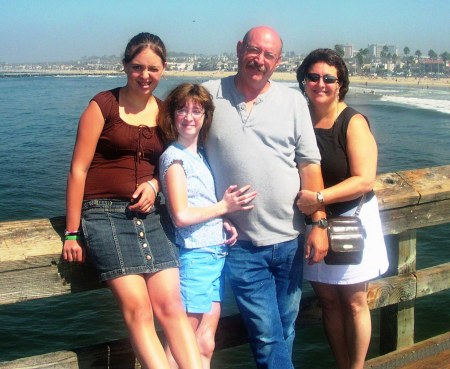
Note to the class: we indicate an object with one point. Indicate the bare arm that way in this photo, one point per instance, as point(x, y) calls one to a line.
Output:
point(183, 215)
point(89, 130)
point(316, 245)
point(362, 155)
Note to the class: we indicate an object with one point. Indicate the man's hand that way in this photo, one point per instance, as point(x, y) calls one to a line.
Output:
point(316, 246)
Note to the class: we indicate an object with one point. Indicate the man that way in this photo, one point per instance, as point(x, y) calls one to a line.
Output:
point(262, 135)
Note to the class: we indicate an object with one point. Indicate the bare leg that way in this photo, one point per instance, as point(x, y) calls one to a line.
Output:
point(358, 325)
point(134, 302)
point(164, 290)
point(205, 327)
point(333, 321)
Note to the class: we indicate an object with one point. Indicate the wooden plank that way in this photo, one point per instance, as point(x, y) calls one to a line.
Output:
point(112, 355)
point(438, 361)
point(397, 321)
point(433, 184)
point(398, 220)
point(40, 280)
point(391, 290)
point(405, 310)
point(394, 192)
point(22, 239)
point(433, 279)
point(40, 283)
point(410, 187)
point(29, 263)
point(422, 353)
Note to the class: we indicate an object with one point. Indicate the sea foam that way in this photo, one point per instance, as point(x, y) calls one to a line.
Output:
point(442, 106)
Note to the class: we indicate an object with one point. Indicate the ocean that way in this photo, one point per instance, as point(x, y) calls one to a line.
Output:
point(38, 123)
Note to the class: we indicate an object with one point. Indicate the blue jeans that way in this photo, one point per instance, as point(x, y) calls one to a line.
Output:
point(267, 284)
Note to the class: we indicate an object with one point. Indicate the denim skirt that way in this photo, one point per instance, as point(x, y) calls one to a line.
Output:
point(121, 242)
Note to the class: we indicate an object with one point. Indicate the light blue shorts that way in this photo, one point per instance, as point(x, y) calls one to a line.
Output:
point(201, 277)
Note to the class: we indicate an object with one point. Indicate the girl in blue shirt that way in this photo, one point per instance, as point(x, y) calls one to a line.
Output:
point(200, 230)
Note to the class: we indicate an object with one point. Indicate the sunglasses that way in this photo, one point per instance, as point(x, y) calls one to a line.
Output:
point(327, 78)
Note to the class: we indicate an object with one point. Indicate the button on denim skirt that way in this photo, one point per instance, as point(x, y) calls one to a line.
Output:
point(121, 242)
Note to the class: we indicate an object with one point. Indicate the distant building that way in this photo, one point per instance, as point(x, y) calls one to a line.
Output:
point(376, 49)
point(392, 49)
point(433, 65)
point(348, 51)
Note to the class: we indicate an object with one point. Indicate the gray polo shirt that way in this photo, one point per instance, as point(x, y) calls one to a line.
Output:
point(261, 148)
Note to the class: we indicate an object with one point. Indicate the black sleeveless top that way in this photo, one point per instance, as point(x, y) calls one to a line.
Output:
point(332, 144)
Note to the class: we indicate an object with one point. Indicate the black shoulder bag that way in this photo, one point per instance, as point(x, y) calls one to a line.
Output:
point(346, 236)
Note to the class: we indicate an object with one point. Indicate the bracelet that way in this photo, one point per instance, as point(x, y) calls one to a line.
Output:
point(73, 237)
point(153, 188)
point(319, 197)
point(72, 233)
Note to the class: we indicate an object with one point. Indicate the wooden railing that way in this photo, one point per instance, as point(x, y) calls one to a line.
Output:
point(30, 268)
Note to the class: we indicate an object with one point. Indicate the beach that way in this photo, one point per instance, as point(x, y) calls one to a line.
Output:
point(360, 80)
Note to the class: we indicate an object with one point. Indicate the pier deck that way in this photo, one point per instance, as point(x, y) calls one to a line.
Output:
point(433, 353)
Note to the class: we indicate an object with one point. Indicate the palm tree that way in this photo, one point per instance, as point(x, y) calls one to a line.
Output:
point(406, 51)
point(445, 57)
point(361, 57)
point(384, 53)
point(418, 53)
point(394, 59)
point(433, 56)
point(339, 49)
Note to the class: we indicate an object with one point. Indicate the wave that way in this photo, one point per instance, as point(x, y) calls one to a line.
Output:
point(442, 106)
point(373, 90)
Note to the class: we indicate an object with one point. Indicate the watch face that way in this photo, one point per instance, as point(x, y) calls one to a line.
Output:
point(323, 223)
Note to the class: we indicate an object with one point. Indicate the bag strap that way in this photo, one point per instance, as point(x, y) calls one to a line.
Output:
point(361, 203)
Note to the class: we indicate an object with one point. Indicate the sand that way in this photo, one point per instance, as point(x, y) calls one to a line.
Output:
point(360, 80)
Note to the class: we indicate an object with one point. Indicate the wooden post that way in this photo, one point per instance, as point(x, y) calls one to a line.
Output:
point(397, 321)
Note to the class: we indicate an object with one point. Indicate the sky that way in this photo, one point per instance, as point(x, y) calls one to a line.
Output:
point(65, 30)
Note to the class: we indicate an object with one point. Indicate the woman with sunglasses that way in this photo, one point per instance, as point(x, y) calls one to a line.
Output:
point(200, 231)
point(113, 212)
point(349, 162)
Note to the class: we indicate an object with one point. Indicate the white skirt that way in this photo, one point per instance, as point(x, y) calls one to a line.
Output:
point(374, 262)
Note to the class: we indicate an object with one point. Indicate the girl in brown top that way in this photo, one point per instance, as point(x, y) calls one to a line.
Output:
point(112, 208)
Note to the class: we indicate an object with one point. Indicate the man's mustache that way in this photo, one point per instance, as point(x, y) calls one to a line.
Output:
point(259, 67)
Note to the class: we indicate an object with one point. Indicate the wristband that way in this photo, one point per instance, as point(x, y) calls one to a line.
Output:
point(72, 233)
point(153, 188)
point(73, 237)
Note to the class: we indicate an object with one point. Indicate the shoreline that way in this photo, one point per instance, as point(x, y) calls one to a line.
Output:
point(277, 76)
point(358, 80)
